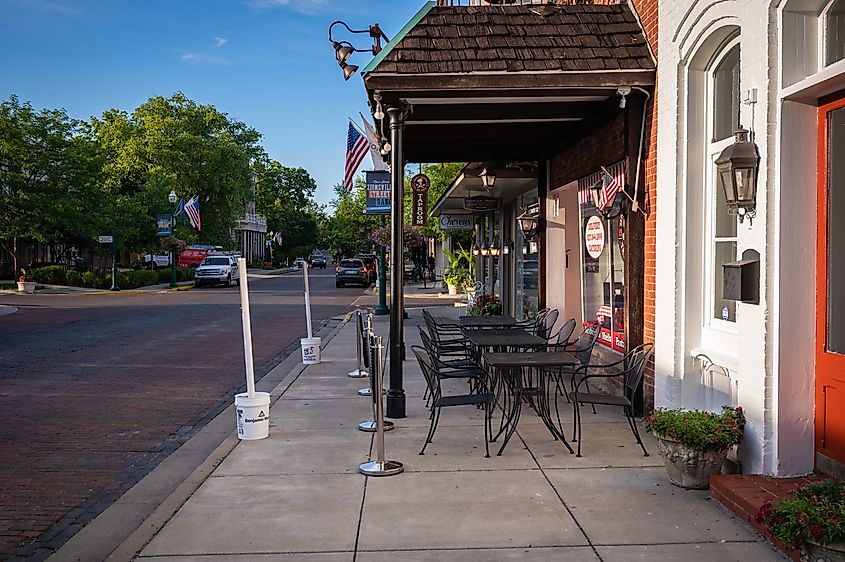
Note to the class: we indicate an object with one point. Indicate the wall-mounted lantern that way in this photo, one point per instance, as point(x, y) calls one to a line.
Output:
point(488, 178)
point(529, 223)
point(736, 169)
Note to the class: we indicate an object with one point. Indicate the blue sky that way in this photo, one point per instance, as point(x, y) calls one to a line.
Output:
point(267, 63)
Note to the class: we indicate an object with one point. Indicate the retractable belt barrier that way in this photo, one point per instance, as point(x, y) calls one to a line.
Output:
point(360, 344)
point(380, 466)
point(370, 425)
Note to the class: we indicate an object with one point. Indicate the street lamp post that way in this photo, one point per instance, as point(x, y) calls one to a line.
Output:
point(382, 309)
point(172, 198)
point(115, 283)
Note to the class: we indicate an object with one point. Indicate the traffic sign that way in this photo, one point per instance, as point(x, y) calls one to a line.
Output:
point(106, 239)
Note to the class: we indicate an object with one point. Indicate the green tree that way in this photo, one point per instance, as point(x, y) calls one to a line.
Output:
point(345, 232)
point(286, 197)
point(48, 171)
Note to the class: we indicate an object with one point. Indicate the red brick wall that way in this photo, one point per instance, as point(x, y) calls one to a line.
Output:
point(647, 12)
point(604, 146)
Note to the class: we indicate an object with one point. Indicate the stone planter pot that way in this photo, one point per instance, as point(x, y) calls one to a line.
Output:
point(26, 287)
point(453, 289)
point(833, 552)
point(687, 467)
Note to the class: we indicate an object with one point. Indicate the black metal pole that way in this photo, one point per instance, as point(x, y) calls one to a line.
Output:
point(396, 391)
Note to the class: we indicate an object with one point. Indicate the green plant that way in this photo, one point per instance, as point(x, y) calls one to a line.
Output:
point(456, 276)
point(701, 431)
point(25, 276)
point(73, 278)
point(89, 279)
point(50, 275)
point(486, 305)
point(814, 513)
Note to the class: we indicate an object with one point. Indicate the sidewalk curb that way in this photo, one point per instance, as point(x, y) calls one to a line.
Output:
point(100, 540)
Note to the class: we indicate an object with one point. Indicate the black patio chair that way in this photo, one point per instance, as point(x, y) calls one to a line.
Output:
point(629, 370)
point(439, 401)
point(562, 336)
point(548, 324)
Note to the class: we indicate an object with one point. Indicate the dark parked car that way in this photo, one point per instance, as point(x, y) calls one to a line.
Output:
point(318, 261)
point(351, 271)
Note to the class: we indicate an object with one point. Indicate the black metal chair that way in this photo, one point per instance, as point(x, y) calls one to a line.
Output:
point(438, 401)
point(544, 330)
point(562, 336)
point(630, 370)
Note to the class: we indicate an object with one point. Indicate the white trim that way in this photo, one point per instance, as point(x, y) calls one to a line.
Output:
point(495, 121)
point(810, 89)
point(503, 99)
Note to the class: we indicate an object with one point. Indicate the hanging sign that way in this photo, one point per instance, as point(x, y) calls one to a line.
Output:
point(594, 236)
point(457, 222)
point(164, 224)
point(419, 209)
point(378, 192)
point(480, 203)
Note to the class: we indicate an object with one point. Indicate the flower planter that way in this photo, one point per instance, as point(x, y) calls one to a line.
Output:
point(26, 286)
point(687, 467)
point(833, 552)
point(453, 289)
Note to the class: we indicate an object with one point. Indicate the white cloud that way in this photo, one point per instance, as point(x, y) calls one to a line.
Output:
point(302, 6)
point(203, 59)
point(220, 41)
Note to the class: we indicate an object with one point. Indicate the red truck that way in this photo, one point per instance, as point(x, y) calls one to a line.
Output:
point(193, 255)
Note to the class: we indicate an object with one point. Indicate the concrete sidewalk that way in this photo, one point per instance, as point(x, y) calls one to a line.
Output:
point(298, 496)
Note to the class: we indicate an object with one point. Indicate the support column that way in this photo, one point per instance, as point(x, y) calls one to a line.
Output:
point(396, 391)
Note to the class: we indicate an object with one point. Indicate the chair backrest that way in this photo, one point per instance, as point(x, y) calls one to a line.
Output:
point(431, 379)
point(545, 331)
point(582, 349)
point(635, 362)
point(565, 331)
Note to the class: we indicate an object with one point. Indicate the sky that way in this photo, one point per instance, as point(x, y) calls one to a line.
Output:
point(267, 63)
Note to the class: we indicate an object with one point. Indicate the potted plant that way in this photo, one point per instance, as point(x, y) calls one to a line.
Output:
point(486, 305)
point(454, 278)
point(811, 520)
point(694, 443)
point(26, 284)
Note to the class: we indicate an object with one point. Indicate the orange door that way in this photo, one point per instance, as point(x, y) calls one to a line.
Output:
point(830, 284)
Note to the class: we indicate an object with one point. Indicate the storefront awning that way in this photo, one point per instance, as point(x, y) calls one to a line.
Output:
point(510, 183)
point(504, 83)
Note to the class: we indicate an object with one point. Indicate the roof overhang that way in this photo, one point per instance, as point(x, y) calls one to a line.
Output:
point(510, 184)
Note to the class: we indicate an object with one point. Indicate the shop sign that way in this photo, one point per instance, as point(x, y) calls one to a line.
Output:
point(164, 224)
point(479, 203)
point(594, 236)
point(378, 192)
point(457, 222)
point(611, 339)
point(419, 208)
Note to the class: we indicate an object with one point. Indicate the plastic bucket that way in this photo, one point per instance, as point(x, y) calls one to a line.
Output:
point(310, 350)
point(253, 415)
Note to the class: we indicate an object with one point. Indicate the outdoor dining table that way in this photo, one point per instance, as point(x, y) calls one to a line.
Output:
point(503, 338)
point(510, 366)
point(487, 321)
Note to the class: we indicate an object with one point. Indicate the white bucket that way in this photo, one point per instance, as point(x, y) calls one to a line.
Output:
point(253, 415)
point(310, 350)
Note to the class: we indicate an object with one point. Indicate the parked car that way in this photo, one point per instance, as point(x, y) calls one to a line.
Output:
point(156, 260)
point(317, 260)
point(221, 268)
point(351, 271)
point(371, 262)
point(299, 262)
point(193, 255)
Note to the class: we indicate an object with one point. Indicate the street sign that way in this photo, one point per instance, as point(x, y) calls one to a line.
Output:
point(106, 239)
point(378, 193)
point(164, 224)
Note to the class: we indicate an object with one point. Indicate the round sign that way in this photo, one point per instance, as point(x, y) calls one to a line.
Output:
point(420, 183)
point(594, 236)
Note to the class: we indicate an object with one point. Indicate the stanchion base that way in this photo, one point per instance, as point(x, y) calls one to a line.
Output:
point(370, 426)
point(357, 374)
point(367, 391)
point(381, 468)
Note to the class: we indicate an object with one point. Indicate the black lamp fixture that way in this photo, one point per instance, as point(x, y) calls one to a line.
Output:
point(507, 247)
point(344, 49)
point(529, 222)
point(475, 249)
point(495, 249)
point(736, 169)
point(488, 178)
point(485, 249)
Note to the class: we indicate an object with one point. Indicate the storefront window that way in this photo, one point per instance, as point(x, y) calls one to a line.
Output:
point(603, 261)
point(527, 259)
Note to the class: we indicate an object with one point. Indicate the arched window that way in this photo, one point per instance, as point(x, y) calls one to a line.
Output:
point(723, 102)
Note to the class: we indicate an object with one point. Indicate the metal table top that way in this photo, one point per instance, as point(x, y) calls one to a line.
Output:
point(513, 337)
point(487, 321)
point(531, 359)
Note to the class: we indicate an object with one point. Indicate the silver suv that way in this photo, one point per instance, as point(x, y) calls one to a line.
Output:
point(217, 269)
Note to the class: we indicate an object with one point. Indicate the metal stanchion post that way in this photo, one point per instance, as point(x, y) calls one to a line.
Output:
point(358, 373)
point(375, 361)
point(380, 466)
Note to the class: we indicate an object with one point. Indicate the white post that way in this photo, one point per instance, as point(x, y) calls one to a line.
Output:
point(250, 373)
point(307, 299)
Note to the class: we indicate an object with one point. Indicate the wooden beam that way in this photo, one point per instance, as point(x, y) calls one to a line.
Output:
point(407, 83)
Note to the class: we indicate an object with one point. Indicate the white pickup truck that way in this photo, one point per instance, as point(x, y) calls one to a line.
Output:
point(156, 260)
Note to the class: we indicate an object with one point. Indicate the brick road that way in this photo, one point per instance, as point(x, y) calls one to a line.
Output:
point(96, 390)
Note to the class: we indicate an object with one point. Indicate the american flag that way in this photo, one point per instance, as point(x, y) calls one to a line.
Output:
point(192, 209)
point(356, 149)
point(610, 186)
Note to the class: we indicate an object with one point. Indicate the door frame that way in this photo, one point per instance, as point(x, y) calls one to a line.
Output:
point(823, 360)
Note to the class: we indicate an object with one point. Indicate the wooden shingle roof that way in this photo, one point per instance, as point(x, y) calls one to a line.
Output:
point(576, 37)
